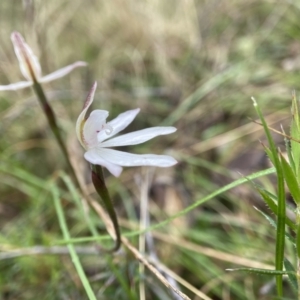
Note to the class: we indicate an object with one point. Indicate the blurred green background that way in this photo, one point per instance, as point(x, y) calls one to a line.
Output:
point(190, 64)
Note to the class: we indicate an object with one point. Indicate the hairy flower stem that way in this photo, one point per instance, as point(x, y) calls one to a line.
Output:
point(53, 125)
point(99, 184)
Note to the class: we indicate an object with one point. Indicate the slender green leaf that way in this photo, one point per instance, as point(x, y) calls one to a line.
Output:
point(18, 172)
point(298, 241)
point(66, 234)
point(290, 155)
point(262, 271)
point(269, 199)
point(295, 133)
point(273, 223)
point(76, 197)
point(291, 180)
point(291, 275)
point(269, 154)
point(280, 235)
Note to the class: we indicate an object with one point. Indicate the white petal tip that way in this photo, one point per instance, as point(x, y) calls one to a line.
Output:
point(171, 162)
point(80, 63)
point(94, 158)
point(116, 173)
point(15, 86)
point(172, 129)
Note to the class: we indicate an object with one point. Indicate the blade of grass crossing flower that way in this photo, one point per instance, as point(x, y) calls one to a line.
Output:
point(66, 234)
point(280, 235)
point(273, 206)
point(290, 179)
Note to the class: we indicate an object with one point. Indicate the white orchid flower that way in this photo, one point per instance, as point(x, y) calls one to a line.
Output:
point(30, 66)
point(93, 134)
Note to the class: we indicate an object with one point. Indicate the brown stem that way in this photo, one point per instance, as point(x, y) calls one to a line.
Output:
point(99, 184)
point(53, 125)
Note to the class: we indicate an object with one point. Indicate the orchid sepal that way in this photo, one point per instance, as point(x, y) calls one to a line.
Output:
point(30, 66)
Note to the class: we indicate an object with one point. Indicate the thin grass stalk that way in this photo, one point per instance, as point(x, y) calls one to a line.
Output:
point(281, 206)
point(70, 186)
point(66, 234)
point(298, 249)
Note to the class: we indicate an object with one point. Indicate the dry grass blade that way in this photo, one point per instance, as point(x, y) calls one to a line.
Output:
point(180, 280)
point(231, 135)
point(152, 269)
point(42, 250)
point(132, 249)
point(211, 252)
point(200, 249)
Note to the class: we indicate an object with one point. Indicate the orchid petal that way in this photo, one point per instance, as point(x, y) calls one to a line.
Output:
point(27, 59)
point(94, 158)
point(138, 137)
point(62, 72)
point(15, 86)
point(94, 124)
point(81, 119)
point(130, 160)
point(118, 124)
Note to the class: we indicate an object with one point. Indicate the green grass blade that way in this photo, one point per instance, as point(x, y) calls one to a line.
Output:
point(291, 180)
point(262, 271)
point(19, 173)
point(290, 155)
point(298, 241)
point(66, 234)
point(274, 225)
point(76, 197)
point(267, 197)
point(291, 275)
point(269, 154)
point(280, 236)
point(295, 133)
